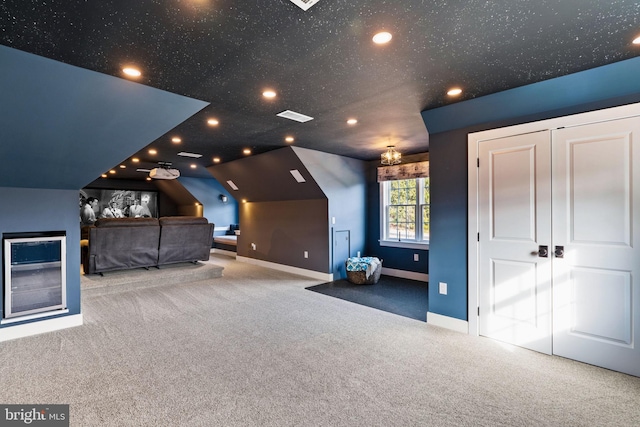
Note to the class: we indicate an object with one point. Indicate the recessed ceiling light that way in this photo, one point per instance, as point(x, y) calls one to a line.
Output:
point(216, 160)
point(104, 175)
point(176, 140)
point(269, 94)
point(246, 151)
point(193, 166)
point(135, 160)
point(122, 166)
point(112, 171)
point(148, 179)
point(232, 185)
point(289, 139)
point(213, 122)
point(636, 40)
point(382, 37)
point(152, 151)
point(131, 72)
point(454, 91)
point(352, 121)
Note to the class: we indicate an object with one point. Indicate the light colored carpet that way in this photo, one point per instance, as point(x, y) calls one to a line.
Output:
point(254, 348)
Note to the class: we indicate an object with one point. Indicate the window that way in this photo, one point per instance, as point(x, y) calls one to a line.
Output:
point(405, 212)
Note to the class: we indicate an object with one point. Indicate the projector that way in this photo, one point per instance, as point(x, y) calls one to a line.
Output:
point(164, 173)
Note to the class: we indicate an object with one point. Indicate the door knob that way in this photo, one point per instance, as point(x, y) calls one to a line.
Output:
point(559, 252)
point(543, 251)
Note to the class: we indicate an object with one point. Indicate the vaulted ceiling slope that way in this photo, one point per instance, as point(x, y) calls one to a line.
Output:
point(268, 178)
point(320, 62)
point(61, 125)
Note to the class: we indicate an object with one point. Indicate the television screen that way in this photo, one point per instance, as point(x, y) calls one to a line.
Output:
point(100, 203)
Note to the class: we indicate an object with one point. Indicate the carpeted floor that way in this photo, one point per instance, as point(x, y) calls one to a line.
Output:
point(409, 298)
point(254, 348)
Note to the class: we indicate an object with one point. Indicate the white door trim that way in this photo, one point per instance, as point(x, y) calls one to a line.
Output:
point(473, 141)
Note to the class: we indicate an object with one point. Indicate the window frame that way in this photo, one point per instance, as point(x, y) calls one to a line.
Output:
point(419, 242)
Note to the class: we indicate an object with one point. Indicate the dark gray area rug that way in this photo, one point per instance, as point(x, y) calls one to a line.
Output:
point(408, 298)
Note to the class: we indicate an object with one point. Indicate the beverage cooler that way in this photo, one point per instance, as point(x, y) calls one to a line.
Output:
point(34, 275)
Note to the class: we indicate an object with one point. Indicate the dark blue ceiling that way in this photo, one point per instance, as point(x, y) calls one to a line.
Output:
point(321, 62)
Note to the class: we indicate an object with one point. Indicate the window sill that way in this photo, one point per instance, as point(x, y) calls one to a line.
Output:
point(407, 245)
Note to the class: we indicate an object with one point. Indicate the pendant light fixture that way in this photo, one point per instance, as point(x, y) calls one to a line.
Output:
point(390, 157)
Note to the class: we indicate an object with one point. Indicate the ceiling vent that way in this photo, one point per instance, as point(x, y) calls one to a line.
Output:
point(192, 155)
point(304, 4)
point(292, 115)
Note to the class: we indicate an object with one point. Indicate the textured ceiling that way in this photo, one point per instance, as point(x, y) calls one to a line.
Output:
point(321, 62)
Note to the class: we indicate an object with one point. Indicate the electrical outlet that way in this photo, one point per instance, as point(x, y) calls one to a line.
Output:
point(306, 254)
point(358, 255)
point(253, 246)
point(416, 257)
point(443, 288)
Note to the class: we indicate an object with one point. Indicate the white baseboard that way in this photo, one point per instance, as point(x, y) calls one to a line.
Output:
point(448, 322)
point(43, 326)
point(327, 277)
point(403, 274)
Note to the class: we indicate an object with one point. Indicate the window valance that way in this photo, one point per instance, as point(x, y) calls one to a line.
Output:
point(403, 171)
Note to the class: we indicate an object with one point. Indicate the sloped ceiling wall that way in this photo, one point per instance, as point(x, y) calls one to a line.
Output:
point(75, 124)
point(267, 178)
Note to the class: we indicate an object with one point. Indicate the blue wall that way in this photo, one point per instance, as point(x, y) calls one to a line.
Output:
point(207, 191)
point(448, 248)
point(34, 210)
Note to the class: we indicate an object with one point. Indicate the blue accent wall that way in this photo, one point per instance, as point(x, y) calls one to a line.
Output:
point(36, 210)
point(448, 246)
point(207, 191)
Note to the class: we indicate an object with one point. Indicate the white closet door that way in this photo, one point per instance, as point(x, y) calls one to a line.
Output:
point(596, 220)
point(514, 222)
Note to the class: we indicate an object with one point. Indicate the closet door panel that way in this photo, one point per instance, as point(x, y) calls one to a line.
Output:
point(596, 290)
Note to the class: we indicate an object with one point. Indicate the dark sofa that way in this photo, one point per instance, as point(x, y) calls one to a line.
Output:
point(184, 238)
point(125, 243)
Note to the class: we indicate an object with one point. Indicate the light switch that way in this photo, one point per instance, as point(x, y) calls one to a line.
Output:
point(443, 288)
